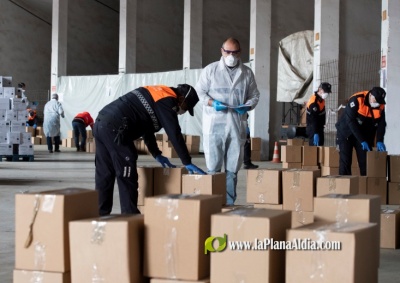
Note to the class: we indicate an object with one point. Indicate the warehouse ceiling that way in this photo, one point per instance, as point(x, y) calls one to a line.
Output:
point(43, 8)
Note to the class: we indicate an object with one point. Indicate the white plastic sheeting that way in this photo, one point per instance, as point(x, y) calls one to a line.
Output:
point(92, 93)
point(295, 67)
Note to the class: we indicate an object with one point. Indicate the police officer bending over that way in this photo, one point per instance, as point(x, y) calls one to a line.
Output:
point(139, 113)
point(364, 118)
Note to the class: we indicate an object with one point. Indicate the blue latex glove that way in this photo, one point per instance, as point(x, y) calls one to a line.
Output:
point(365, 146)
point(194, 169)
point(164, 161)
point(381, 146)
point(34, 126)
point(218, 106)
point(316, 140)
point(242, 110)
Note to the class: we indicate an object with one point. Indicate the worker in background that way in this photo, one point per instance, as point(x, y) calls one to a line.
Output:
point(227, 90)
point(32, 118)
point(247, 164)
point(51, 122)
point(139, 113)
point(362, 122)
point(79, 124)
point(316, 115)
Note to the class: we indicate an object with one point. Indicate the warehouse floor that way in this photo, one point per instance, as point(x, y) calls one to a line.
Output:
point(73, 169)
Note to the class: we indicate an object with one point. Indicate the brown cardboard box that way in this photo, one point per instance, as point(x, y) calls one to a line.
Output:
point(255, 155)
point(320, 150)
point(377, 164)
point(255, 143)
point(305, 167)
point(331, 156)
point(192, 148)
point(390, 228)
point(169, 151)
point(264, 186)
point(309, 155)
point(291, 165)
point(377, 186)
point(235, 207)
point(31, 130)
point(145, 182)
point(168, 180)
point(265, 265)
point(347, 208)
point(70, 142)
point(394, 168)
point(36, 140)
point(49, 249)
point(211, 184)
point(337, 185)
point(39, 131)
point(326, 171)
point(107, 248)
point(300, 218)
point(393, 193)
point(70, 134)
point(362, 185)
point(298, 141)
point(156, 280)
point(89, 134)
point(290, 153)
point(268, 206)
point(298, 188)
point(355, 262)
point(176, 228)
point(27, 276)
point(194, 140)
point(355, 171)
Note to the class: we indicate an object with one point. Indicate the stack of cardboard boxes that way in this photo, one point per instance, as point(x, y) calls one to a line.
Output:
point(14, 140)
point(70, 142)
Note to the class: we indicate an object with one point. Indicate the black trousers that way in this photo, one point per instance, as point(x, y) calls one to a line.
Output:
point(247, 151)
point(346, 153)
point(115, 161)
point(49, 142)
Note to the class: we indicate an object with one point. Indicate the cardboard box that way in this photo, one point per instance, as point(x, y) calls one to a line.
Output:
point(264, 186)
point(268, 206)
point(337, 185)
point(107, 248)
point(393, 193)
point(145, 183)
point(300, 218)
point(355, 262)
point(156, 280)
point(255, 144)
point(264, 265)
point(291, 165)
point(169, 151)
point(390, 228)
point(168, 180)
point(192, 148)
point(297, 141)
point(27, 276)
point(291, 153)
point(298, 188)
point(48, 249)
point(377, 164)
point(176, 228)
point(377, 186)
point(255, 155)
point(211, 184)
point(327, 171)
point(305, 167)
point(320, 150)
point(309, 155)
point(235, 207)
point(394, 168)
point(331, 156)
point(362, 185)
point(193, 140)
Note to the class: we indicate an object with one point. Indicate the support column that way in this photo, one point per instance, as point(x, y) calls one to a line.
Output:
point(260, 50)
point(58, 42)
point(390, 70)
point(127, 36)
point(193, 34)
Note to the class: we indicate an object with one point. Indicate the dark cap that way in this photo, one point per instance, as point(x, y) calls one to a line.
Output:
point(21, 85)
point(326, 87)
point(379, 94)
point(190, 96)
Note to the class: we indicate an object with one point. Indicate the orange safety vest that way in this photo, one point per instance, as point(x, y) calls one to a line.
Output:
point(160, 91)
point(365, 110)
point(321, 104)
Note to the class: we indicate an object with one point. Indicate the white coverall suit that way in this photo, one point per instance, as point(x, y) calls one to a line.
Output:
point(224, 132)
point(51, 123)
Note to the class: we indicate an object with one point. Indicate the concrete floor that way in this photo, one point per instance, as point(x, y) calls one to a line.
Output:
point(73, 169)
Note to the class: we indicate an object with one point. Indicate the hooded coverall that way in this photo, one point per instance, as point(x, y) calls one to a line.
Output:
point(359, 123)
point(224, 132)
point(117, 126)
point(51, 122)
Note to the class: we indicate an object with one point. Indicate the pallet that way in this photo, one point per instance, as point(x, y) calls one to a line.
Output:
point(17, 157)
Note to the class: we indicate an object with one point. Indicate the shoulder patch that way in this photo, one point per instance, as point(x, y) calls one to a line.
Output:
point(352, 104)
point(315, 109)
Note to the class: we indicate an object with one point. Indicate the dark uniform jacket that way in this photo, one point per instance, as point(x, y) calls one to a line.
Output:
point(361, 120)
point(316, 115)
point(130, 114)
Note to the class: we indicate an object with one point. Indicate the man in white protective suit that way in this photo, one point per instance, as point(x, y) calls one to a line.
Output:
point(51, 122)
point(227, 90)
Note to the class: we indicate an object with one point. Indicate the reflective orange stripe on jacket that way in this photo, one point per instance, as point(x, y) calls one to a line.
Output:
point(160, 91)
point(363, 109)
point(321, 104)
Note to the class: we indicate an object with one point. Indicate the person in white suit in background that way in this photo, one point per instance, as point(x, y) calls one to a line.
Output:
point(51, 123)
